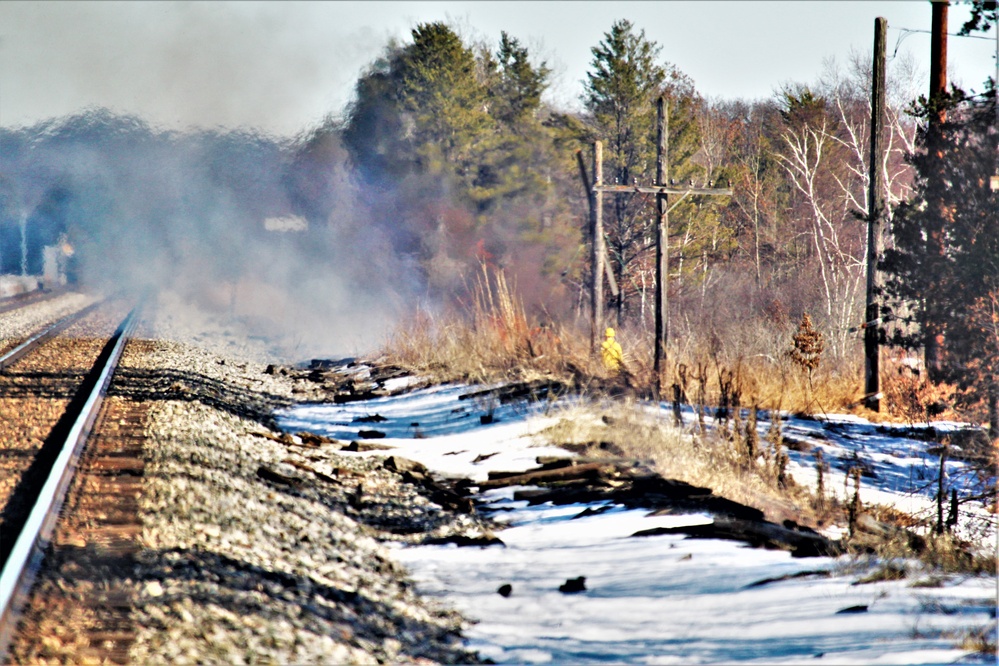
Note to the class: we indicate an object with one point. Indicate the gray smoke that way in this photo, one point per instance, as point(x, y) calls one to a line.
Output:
point(179, 64)
point(266, 233)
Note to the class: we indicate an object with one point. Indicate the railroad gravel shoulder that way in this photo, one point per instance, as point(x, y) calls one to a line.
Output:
point(258, 548)
point(22, 322)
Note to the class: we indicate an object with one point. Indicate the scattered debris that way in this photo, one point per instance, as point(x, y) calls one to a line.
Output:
point(759, 534)
point(536, 390)
point(373, 418)
point(573, 585)
point(819, 573)
point(358, 445)
point(272, 475)
point(852, 609)
point(462, 540)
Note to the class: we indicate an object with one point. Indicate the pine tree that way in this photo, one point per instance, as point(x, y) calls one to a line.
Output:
point(621, 90)
point(984, 13)
point(945, 266)
point(515, 93)
point(620, 93)
point(515, 158)
point(442, 100)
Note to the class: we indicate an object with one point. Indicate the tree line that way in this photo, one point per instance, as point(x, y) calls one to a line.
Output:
point(450, 156)
point(456, 146)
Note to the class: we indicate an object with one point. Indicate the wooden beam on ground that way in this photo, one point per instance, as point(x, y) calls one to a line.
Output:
point(584, 471)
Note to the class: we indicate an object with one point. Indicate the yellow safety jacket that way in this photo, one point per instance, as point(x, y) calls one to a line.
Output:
point(611, 352)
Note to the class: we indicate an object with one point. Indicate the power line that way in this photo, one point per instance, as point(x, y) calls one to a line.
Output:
point(952, 34)
point(905, 32)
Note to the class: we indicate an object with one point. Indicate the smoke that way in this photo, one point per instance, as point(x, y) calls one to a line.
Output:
point(264, 233)
point(163, 202)
point(181, 64)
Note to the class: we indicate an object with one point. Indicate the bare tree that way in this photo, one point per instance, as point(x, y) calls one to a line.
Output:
point(849, 96)
point(824, 150)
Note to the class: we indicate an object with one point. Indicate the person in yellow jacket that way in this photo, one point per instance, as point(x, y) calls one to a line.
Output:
point(611, 352)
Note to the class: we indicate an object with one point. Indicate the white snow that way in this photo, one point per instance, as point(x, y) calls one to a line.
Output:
point(665, 599)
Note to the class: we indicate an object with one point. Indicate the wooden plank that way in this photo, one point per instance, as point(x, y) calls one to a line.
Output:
point(588, 470)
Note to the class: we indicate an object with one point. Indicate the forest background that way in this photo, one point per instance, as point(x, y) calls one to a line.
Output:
point(448, 160)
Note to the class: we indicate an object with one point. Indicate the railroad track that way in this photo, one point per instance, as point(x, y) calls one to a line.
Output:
point(23, 300)
point(52, 395)
point(21, 350)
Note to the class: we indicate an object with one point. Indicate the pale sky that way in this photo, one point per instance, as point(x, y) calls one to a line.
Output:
point(281, 67)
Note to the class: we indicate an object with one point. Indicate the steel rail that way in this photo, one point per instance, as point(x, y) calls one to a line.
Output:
point(19, 301)
point(41, 336)
point(25, 558)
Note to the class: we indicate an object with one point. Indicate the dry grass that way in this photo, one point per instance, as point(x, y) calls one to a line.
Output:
point(941, 553)
point(489, 339)
point(769, 383)
point(707, 460)
point(718, 460)
point(911, 398)
point(980, 640)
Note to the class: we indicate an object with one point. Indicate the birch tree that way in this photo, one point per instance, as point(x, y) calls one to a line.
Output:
point(810, 155)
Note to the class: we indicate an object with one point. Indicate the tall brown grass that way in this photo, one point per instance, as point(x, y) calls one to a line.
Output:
point(490, 337)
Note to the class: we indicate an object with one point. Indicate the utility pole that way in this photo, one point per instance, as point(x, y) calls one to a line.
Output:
point(875, 215)
point(662, 234)
point(597, 249)
point(938, 55)
point(994, 180)
point(933, 338)
point(662, 192)
point(591, 199)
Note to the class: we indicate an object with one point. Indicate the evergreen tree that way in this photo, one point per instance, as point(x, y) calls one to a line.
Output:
point(442, 99)
point(454, 135)
point(421, 106)
point(984, 13)
point(621, 91)
point(516, 157)
point(945, 265)
point(515, 94)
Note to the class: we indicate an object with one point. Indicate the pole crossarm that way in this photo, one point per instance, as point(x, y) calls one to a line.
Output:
point(642, 189)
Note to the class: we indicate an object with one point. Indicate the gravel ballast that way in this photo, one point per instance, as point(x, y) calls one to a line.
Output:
point(257, 547)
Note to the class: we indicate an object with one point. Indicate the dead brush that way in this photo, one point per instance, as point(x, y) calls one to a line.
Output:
point(835, 385)
point(708, 461)
point(911, 397)
point(489, 338)
point(941, 553)
point(980, 640)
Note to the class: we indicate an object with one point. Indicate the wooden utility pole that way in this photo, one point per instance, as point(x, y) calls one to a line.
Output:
point(597, 249)
point(933, 339)
point(591, 199)
point(875, 215)
point(938, 55)
point(662, 234)
point(662, 192)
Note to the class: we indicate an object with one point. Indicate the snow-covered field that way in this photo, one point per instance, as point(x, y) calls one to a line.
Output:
point(667, 598)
